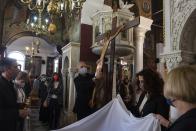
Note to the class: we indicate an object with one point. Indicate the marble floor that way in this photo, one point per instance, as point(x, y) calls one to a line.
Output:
point(35, 124)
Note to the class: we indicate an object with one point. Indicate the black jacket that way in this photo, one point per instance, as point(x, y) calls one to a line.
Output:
point(8, 106)
point(156, 104)
point(187, 122)
point(84, 87)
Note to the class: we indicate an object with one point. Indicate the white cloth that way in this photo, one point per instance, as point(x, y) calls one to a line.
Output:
point(114, 117)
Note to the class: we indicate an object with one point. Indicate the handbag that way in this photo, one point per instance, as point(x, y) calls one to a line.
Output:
point(45, 104)
point(46, 101)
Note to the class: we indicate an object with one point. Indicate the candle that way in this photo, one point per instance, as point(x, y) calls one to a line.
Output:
point(39, 2)
point(62, 6)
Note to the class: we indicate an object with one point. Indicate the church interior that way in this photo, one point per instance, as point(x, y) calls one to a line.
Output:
point(47, 36)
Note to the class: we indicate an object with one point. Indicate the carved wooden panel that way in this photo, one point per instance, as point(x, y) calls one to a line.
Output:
point(145, 8)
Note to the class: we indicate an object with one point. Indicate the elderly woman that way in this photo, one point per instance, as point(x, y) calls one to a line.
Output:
point(180, 90)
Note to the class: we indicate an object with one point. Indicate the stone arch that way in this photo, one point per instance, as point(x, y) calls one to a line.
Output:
point(12, 38)
point(188, 34)
point(187, 42)
point(180, 12)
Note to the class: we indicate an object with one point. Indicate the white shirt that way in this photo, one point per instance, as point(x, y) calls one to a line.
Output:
point(20, 95)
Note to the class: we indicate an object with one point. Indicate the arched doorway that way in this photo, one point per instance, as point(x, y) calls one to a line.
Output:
point(20, 58)
point(188, 40)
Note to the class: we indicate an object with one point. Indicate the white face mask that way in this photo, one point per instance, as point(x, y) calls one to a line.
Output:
point(83, 71)
point(174, 114)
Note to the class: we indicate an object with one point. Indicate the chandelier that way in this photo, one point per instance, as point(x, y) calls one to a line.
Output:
point(38, 23)
point(34, 48)
point(42, 23)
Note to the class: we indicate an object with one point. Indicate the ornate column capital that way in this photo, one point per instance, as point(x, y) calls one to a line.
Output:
point(172, 60)
point(144, 26)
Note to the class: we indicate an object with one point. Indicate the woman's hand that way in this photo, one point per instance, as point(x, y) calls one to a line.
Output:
point(23, 113)
point(91, 103)
point(164, 122)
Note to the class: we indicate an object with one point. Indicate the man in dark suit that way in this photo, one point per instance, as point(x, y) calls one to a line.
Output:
point(84, 87)
point(9, 111)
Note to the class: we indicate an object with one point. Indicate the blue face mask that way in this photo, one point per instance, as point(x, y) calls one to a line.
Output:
point(170, 102)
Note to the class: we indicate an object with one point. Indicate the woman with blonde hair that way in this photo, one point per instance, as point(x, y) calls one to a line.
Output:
point(180, 90)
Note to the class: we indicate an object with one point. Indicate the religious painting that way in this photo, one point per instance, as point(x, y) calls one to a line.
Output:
point(33, 65)
point(97, 32)
point(49, 66)
point(27, 62)
point(107, 27)
point(124, 34)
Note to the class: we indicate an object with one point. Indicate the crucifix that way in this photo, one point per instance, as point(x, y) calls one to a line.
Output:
point(109, 37)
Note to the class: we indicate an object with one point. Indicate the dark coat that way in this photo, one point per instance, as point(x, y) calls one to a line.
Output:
point(8, 106)
point(187, 122)
point(43, 112)
point(84, 87)
point(156, 104)
point(55, 105)
point(43, 92)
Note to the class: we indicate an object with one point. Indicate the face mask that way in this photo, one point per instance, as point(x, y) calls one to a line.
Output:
point(56, 77)
point(174, 114)
point(170, 102)
point(83, 71)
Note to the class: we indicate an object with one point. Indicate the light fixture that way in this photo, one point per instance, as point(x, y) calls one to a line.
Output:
point(38, 23)
point(34, 49)
point(42, 8)
point(58, 7)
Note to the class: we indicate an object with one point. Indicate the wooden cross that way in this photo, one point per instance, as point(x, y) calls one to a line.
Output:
point(107, 37)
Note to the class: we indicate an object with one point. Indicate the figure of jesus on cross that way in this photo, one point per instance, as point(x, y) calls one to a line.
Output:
point(109, 37)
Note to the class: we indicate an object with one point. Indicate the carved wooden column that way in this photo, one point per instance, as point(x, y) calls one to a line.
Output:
point(2, 12)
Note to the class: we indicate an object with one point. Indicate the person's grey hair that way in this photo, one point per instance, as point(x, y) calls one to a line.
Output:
point(6, 63)
point(180, 84)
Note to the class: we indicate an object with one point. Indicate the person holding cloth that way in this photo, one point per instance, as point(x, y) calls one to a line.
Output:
point(180, 90)
point(84, 87)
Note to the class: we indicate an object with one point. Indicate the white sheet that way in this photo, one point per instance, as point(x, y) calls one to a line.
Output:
point(114, 117)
